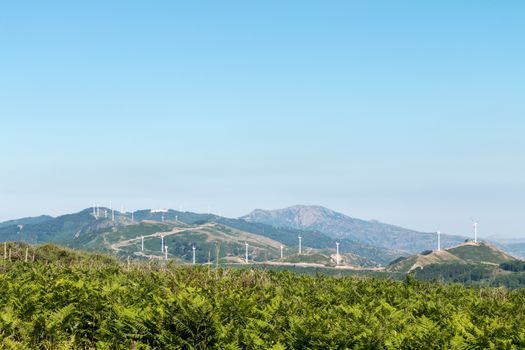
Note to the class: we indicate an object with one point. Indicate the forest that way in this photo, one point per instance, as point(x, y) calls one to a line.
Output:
point(57, 298)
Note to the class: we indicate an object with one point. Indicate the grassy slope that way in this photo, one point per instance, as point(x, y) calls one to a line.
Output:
point(81, 230)
point(480, 253)
point(180, 238)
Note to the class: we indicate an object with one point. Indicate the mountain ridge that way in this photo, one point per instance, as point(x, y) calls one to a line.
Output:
point(476, 253)
point(80, 230)
point(338, 225)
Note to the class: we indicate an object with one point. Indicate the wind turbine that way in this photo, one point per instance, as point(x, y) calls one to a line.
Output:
point(337, 253)
point(166, 252)
point(282, 247)
point(193, 255)
point(439, 240)
point(162, 243)
point(475, 224)
point(133, 216)
point(246, 244)
point(300, 250)
point(142, 243)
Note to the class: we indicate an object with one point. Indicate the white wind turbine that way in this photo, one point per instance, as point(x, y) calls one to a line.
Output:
point(246, 258)
point(300, 250)
point(337, 253)
point(282, 247)
point(439, 240)
point(475, 224)
point(193, 255)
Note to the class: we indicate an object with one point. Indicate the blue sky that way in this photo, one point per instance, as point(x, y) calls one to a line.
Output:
point(408, 112)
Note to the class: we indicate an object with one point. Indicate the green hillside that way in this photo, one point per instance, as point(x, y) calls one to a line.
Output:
point(309, 258)
point(480, 253)
point(26, 221)
point(83, 230)
point(468, 253)
point(422, 260)
point(209, 239)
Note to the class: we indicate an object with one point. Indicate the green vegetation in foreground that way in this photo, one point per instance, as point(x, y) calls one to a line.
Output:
point(63, 299)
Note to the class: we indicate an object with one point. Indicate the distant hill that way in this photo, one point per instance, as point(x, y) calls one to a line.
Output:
point(337, 225)
point(61, 229)
point(467, 253)
point(515, 247)
point(210, 239)
point(26, 221)
point(83, 231)
point(481, 253)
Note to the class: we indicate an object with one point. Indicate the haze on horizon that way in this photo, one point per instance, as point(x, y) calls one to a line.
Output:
point(410, 112)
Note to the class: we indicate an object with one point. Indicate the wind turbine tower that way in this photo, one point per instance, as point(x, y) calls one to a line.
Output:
point(142, 243)
point(282, 247)
point(193, 260)
point(133, 216)
point(162, 243)
point(475, 223)
point(439, 240)
point(300, 248)
point(246, 245)
point(166, 252)
point(337, 253)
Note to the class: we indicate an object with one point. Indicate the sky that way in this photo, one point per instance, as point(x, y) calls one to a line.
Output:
point(407, 112)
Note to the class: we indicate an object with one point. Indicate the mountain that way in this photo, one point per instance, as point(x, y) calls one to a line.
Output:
point(26, 221)
point(337, 226)
point(362, 252)
point(314, 224)
point(469, 253)
point(515, 247)
point(83, 231)
point(60, 229)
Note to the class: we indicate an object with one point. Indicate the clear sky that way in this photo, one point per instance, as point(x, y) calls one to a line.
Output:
point(409, 112)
